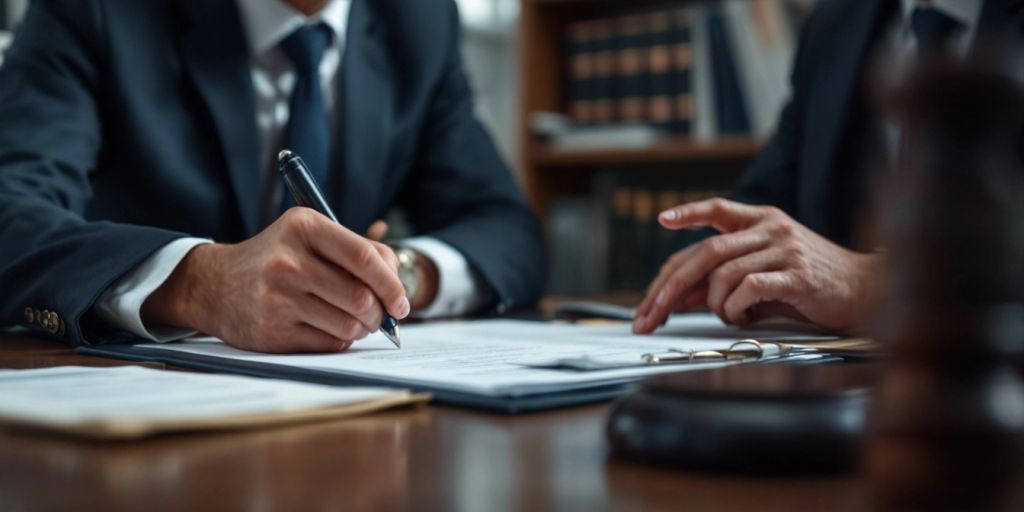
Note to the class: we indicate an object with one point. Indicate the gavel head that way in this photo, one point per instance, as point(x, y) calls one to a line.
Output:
point(951, 209)
point(947, 420)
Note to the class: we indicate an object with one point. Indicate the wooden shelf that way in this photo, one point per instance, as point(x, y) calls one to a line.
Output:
point(549, 174)
point(673, 151)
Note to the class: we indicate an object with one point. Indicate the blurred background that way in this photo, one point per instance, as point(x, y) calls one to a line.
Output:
point(611, 110)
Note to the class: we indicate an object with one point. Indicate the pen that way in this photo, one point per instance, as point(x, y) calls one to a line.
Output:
point(306, 193)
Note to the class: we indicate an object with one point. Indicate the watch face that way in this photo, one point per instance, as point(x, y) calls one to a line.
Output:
point(407, 272)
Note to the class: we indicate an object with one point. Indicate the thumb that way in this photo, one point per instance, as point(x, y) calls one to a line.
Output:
point(377, 231)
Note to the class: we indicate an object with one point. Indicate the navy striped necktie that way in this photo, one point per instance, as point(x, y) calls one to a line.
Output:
point(308, 130)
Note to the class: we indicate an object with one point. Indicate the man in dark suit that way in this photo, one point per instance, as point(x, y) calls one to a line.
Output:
point(787, 245)
point(138, 192)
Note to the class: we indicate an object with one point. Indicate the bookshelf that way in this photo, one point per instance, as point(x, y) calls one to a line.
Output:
point(672, 151)
point(548, 173)
point(693, 86)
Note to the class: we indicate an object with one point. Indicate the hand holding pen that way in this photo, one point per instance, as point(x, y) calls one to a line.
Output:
point(303, 284)
point(307, 193)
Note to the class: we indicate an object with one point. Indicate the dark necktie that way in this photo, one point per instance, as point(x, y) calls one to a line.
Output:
point(932, 29)
point(308, 130)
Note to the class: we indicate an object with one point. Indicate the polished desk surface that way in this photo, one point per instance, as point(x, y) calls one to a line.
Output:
point(417, 458)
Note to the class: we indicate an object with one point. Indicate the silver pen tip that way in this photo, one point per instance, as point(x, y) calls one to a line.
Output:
point(395, 338)
point(284, 155)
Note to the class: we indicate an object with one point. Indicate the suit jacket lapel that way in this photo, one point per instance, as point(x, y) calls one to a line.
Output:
point(216, 56)
point(832, 97)
point(366, 99)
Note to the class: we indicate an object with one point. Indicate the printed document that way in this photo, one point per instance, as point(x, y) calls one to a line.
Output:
point(494, 357)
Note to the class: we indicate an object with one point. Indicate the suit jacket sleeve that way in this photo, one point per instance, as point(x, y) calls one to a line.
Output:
point(51, 257)
point(463, 194)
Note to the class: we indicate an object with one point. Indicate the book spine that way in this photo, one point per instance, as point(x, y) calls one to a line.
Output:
point(682, 78)
point(603, 48)
point(644, 221)
point(632, 69)
point(622, 255)
point(581, 71)
point(660, 112)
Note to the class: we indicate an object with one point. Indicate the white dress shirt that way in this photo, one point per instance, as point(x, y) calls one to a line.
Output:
point(267, 23)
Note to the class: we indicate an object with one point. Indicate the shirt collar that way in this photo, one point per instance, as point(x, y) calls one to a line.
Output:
point(268, 22)
point(967, 12)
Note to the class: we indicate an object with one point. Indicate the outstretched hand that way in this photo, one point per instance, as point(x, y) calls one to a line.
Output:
point(763, 263)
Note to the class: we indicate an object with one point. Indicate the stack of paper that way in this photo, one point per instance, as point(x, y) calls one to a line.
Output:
point(130, 402)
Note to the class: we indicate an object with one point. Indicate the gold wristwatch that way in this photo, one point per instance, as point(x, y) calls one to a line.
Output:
point(408, 274)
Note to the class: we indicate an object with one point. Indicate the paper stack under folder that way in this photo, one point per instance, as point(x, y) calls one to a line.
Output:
point(133, 402)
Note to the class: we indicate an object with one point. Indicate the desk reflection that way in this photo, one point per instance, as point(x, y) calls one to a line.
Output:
point(421, 458)
point(361, 462)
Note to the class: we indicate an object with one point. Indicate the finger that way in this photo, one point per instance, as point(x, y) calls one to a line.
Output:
point(319, 314)
point(666, 270)
point(728, 276)
point(361, 258)
point(377, 231)
point(388, 254)
point(344, 292)
point(775, 309)
point(721, 214)
point(694, 300)
point(757, 288)
point(308, 339)
point(706, 256)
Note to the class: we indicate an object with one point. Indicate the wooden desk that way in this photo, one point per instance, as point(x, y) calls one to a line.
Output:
point(425, 458)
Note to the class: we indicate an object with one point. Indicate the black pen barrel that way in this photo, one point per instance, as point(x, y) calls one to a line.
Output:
point(302, 185)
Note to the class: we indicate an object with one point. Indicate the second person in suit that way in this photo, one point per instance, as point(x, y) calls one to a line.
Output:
point(786, 243)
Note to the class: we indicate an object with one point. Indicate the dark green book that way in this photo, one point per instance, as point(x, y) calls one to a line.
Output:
point(632, 69)
point(661, 70)
point(579, 39)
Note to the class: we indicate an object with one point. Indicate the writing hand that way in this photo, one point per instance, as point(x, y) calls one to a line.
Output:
point(304, 284)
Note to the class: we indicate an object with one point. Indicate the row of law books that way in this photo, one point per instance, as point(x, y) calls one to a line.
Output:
point(703, 70)
point(612, 241)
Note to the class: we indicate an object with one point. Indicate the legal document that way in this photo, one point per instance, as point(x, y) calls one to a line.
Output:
point(501, 357)
point(132, 401)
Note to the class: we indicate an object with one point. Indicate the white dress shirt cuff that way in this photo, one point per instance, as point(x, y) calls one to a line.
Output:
point(460, 290)
point(121, 304)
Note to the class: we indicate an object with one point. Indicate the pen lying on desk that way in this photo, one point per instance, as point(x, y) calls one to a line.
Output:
point(306, 193)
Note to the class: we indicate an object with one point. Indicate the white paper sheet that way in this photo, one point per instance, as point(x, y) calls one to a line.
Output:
point(488, 357)
point(68, 395)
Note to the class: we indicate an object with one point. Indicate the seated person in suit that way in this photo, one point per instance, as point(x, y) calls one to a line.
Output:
point(139, 196)
point(787, 244)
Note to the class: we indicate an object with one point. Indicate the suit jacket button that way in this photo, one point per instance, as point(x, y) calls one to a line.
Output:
point(53, 322)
